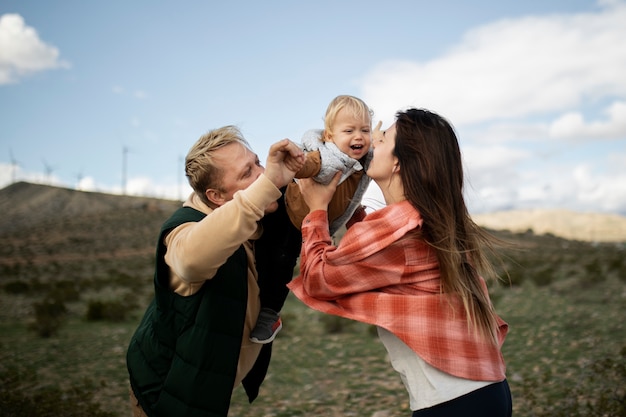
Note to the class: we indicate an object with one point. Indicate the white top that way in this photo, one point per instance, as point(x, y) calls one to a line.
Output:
point(427, 386)
point(373, 198)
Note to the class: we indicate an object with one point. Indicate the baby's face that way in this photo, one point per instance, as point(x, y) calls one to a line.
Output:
point(352, 134)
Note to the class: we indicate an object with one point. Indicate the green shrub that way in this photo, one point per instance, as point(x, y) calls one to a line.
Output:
point(16, 287)
point(106, 310)
point(544, 276)
point(49, 315)
point(515, 275)
point(335, 324)
point(18, 398)
point(617, 265)
point(65, 290)
point(601, 391)
point(10, 270)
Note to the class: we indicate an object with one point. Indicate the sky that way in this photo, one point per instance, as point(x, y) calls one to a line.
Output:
point(110, 96)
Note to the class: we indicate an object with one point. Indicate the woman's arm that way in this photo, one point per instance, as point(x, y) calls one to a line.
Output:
point(375, 254)
point(317, 195)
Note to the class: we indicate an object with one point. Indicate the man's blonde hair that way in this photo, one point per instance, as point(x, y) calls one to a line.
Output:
point(357, 106)
point(200, 166)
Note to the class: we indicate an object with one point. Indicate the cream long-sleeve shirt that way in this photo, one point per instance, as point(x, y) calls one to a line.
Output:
point(196, 250)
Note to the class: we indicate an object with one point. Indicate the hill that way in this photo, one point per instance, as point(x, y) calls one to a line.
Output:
point(23, 204)
point(589, 227)
point(26, 206)
point(76, 272)
point(41, 223)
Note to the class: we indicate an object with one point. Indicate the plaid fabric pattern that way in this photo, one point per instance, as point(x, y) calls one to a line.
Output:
point(380, 275)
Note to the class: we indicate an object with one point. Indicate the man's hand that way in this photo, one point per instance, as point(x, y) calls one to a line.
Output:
point(316, 195)
point(284, 159)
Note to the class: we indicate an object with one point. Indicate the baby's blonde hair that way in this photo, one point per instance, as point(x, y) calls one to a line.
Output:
point(356, 105)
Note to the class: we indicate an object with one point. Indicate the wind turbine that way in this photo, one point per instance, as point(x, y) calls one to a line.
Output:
point(14, 165)
point(124, 153)
point(181, 162)
point(79, 178)
point(48, 171)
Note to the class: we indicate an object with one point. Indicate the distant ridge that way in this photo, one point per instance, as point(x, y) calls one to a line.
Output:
point(590, 227)
point(24, 203)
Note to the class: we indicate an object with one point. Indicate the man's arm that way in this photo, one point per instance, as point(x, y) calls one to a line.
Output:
point(196, 250)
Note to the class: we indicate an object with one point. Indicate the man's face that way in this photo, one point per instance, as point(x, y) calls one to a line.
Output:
point(240, 167)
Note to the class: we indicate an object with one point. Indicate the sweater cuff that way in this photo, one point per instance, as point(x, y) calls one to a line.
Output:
point(262, 192)
point(315, 221)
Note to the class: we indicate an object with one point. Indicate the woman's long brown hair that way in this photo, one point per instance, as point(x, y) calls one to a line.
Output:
point(432, 174)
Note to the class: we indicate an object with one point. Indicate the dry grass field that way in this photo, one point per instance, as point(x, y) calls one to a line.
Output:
point(76, 272)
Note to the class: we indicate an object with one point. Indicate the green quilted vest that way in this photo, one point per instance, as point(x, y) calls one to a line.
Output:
point(183, 357)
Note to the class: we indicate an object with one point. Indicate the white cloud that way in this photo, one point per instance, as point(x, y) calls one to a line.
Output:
point(86, 184)
point(22, 52)
point(135, 186)
point(572, 125)
point(10, 173)
point(491, 176)
point(139, 94)
point(492, 158)
point(7, 173)
point(581, 187)
point(518, 91)
point(145, 186)
point(511, 69)
point(504, 132)
point(605, 189)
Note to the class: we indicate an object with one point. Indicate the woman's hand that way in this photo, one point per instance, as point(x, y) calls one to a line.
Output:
point(316, 195)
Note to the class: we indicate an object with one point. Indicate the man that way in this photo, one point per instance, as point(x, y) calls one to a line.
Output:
point(192, 346)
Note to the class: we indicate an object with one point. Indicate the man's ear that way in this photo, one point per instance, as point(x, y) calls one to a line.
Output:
point(214, 196)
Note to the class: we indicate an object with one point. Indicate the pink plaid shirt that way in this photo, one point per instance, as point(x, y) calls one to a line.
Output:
point(380, 275)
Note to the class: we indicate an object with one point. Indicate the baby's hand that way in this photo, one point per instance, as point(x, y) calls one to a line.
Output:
point(377, 135)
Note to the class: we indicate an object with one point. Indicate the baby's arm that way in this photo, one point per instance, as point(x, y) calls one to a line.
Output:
point(312, 165)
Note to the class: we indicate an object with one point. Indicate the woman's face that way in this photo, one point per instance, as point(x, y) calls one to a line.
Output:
point(383, 164)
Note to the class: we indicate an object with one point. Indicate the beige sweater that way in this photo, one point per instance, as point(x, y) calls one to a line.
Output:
point(196, 250)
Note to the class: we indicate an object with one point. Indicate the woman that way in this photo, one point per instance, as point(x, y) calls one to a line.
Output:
point(412, 269)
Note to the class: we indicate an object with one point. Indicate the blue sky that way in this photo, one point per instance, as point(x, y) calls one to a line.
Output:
point(535, 89)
